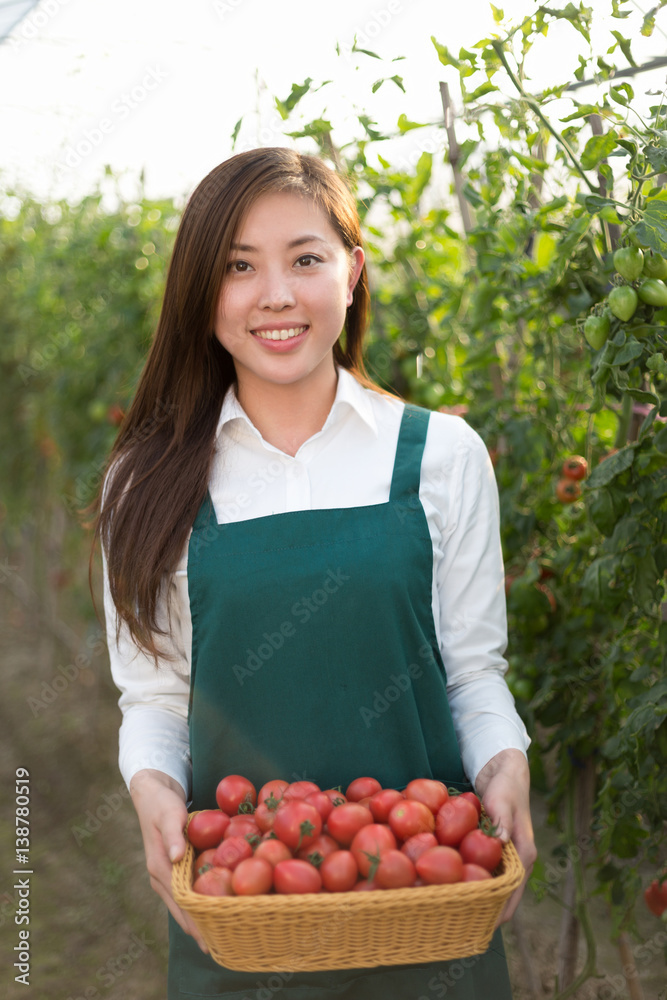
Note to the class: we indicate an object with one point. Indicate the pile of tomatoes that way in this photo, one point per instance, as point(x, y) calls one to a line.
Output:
point(297, 838)
point(575, 468)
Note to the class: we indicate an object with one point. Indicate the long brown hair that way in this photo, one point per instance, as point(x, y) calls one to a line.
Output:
point(159, 466)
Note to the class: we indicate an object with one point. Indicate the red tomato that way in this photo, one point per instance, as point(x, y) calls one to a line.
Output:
point(568, 490)
point(478, 848)
point(320, 848)
point(440, 866)
point(655, 897)
point(381, 803)
point(272, 851)
point(296, 876)
point(395, 871)
point(335, 796)
point(242, 826)
point(204, 860)
point(361, 788)
point(474, 873)
point(339, 871)
point(432, 793)
point(410, 817)
point(299, 790)
point(265, 814)
point(415, 846)
point(214, 882)
point(456, 818)
point(207, 828)
point(344, 821)
point(231, 852)
point(471, 797)
point(297, 824)
point(369, 844)
point(274, 788)
point(365, 885)
point(322, 803)
point(233, 791)
point(252, 877)
point(575, 467)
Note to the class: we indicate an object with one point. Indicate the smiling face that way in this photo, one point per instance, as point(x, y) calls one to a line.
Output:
point(288, 284)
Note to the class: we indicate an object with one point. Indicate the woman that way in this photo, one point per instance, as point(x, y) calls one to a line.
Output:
point(285, 545)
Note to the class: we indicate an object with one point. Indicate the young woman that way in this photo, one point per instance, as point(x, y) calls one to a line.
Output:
point(303, 574)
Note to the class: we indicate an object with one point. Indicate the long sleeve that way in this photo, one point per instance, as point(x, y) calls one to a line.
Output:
point(153, 700)
point(470, 598)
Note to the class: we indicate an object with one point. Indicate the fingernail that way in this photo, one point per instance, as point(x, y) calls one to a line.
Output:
point(173, 852)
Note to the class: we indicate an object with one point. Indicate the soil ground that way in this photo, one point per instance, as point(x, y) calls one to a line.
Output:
point(97, 931)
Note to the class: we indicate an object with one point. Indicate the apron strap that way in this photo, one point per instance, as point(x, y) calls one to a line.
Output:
point(409, 450)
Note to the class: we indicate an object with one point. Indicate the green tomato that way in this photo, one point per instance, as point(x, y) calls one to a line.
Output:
point(655, 266)
point(653, 292)
point(629, 262)
point(623, 302)
point(596, 330)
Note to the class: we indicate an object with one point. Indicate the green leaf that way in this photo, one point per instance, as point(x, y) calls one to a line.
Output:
point(404, 125)
point(236, 130)
point(648, 24)
point(622, 94)
point(398, 80)
point(629, 352)
point(652, 229)
point(660, 441)
point(616, 9)
point(583, 111)
point(598, 148)
point(656, 156)
point(611, 467)
point(644, 397)
point(581, 69)
point(444, 55)
point(366, 52)
point(624, 44)
point(498, 13)
point(297, 92)
point(481, 91)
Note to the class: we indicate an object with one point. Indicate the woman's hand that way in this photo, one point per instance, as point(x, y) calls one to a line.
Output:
point(503, 785)
point(160, 805)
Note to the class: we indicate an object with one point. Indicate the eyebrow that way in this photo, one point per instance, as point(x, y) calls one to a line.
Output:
point(299, 241)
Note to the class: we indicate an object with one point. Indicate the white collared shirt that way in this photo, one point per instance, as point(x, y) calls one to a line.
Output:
point(348, 463)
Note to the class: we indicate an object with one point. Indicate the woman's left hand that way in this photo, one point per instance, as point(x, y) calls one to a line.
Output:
point(503, 785)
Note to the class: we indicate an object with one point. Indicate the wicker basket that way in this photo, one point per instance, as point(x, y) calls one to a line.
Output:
point(348, 930)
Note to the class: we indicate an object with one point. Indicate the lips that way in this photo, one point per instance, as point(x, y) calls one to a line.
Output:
point(285, 334)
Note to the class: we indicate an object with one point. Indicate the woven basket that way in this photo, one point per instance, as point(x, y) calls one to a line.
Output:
point(348, 930)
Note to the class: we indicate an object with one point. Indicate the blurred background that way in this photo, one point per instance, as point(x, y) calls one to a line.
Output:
point(499, 157)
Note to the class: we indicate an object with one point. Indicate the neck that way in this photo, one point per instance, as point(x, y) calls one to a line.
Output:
point(287, 415)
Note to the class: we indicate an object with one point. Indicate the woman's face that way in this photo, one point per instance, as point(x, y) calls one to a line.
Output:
point(288, 284)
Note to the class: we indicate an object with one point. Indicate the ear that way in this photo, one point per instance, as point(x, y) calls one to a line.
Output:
point(357, 264)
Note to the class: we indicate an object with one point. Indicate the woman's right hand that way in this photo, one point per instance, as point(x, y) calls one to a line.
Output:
point(160, 804)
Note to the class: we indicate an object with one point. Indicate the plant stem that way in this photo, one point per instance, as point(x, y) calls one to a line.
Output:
point(624, 422)
point(532, 103)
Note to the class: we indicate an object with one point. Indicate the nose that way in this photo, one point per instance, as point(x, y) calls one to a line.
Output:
point(276, 292)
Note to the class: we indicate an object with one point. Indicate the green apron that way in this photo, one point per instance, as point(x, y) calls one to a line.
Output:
point(315, 656)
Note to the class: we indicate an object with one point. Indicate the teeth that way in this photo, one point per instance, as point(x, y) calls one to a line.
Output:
point(280, 334)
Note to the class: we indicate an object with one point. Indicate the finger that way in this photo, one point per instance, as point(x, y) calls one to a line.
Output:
point(173, 836)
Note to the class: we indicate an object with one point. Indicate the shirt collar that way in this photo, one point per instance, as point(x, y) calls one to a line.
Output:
point(349, 394)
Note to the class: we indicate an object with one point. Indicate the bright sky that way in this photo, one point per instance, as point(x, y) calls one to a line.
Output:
point(159, 84)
